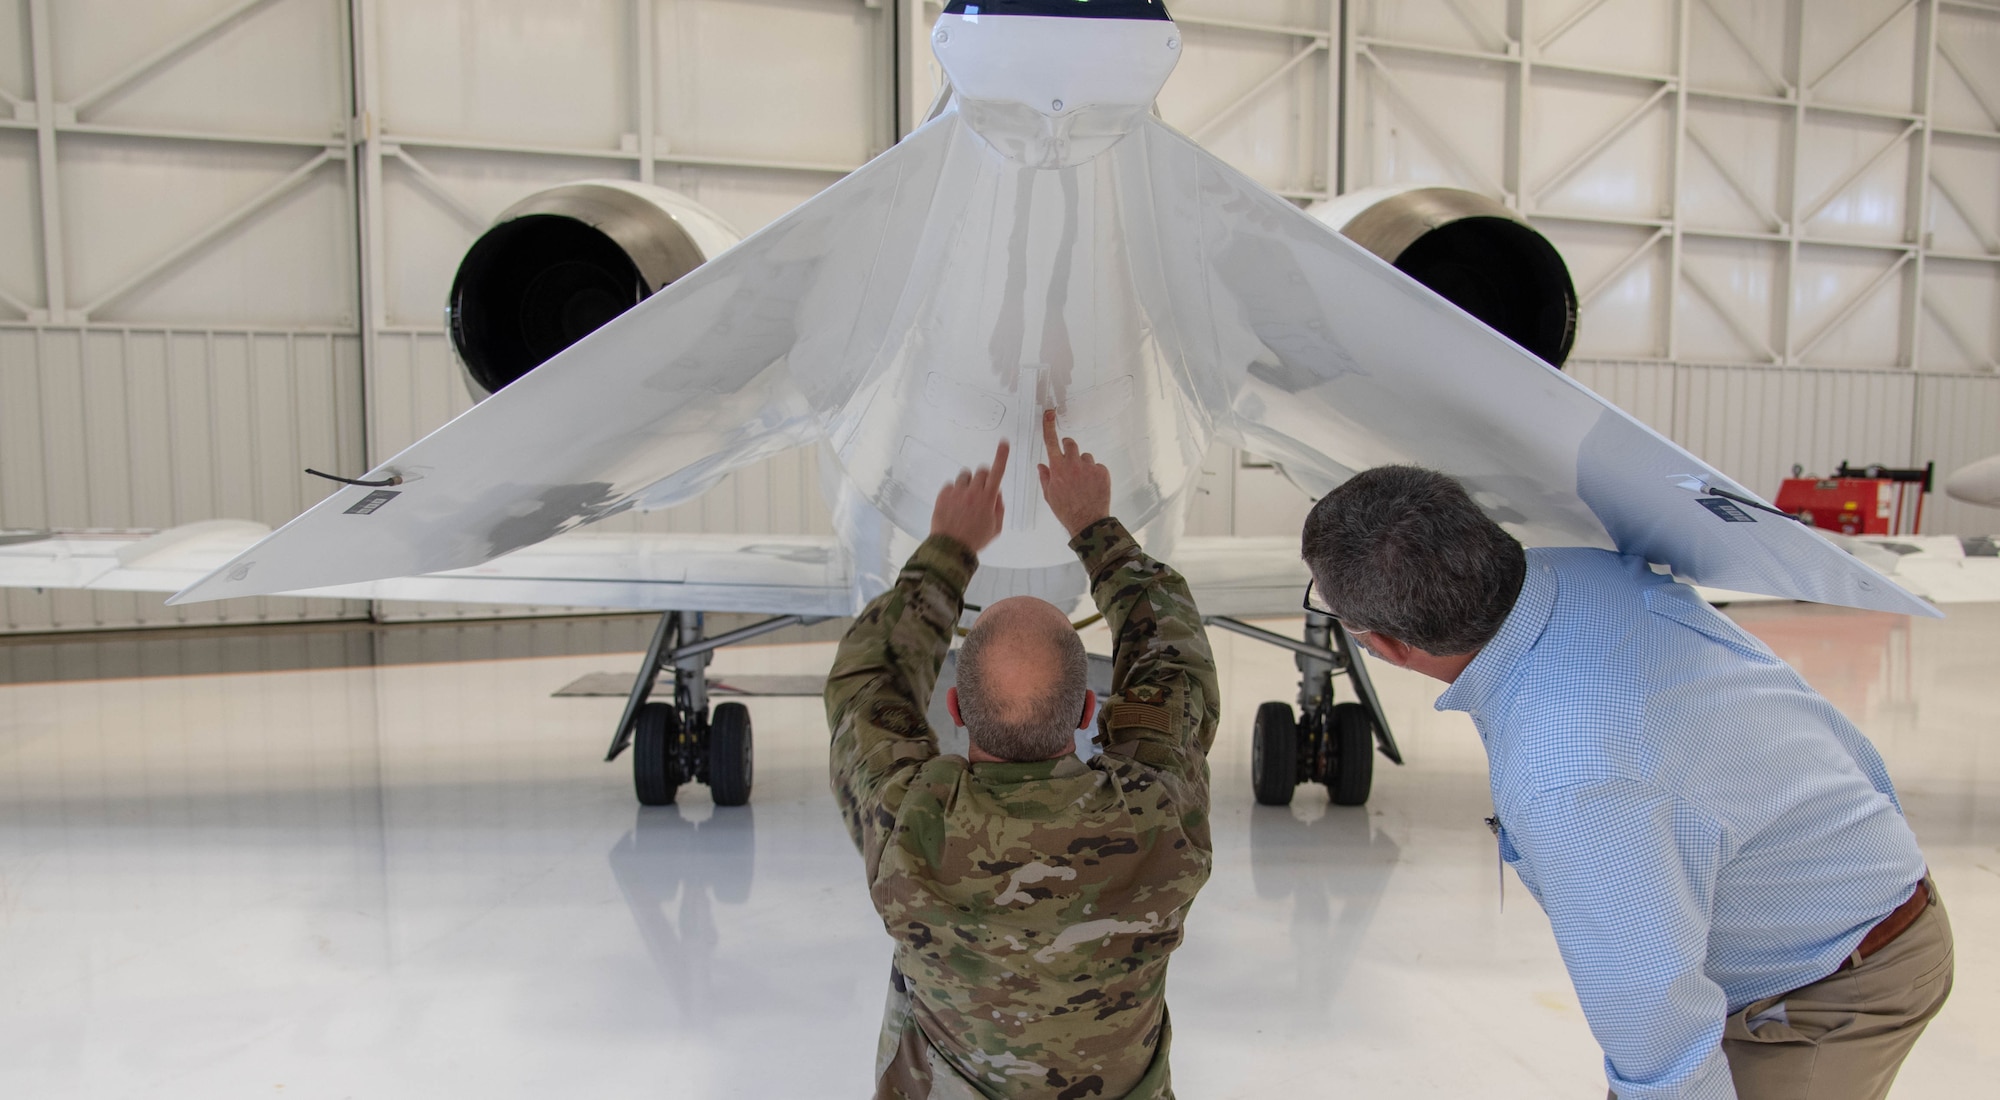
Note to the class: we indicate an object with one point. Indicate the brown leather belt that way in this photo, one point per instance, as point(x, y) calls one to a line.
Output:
point(1888, 928)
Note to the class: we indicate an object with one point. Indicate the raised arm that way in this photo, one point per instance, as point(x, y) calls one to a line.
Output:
point(887, 665)
point(1165, 702)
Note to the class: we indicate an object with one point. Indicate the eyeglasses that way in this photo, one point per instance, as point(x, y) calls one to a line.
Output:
point(1318, 607)
point(1314, 605)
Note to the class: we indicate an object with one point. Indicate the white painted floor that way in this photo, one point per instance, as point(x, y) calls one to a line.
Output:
point(420, 881)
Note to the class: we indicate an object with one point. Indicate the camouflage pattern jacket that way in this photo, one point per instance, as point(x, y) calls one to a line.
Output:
point(1033, 905)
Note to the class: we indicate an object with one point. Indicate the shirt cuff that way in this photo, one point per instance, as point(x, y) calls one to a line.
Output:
point(1101, 543)
point(947, 559)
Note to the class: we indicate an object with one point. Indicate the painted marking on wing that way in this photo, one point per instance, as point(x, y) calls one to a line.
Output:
point(373, 502)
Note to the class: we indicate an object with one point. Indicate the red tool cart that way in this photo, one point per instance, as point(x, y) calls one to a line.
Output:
point(1866, 500)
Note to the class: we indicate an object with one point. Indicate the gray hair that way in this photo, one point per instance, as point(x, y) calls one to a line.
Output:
point(1032, 725)
point(1404, 551)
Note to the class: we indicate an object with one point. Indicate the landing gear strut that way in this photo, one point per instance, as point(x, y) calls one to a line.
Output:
point(683, 741)
point(1324, 742)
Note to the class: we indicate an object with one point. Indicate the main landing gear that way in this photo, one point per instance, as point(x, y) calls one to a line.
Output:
point(1326, 742)
point(684, 741)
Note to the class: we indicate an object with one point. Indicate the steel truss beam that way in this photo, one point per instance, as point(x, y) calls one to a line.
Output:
point(1784, 86)
point(292, 181)
point(1782, 218)
point(1720, 303)
point(1965, 211)
point(1568, 24)
point(1950, 54)
point(1603, 142)
point(1850, 307)
point(1902, 9)
point(1298, 58)
point(1853, 173)
point(55, 292)
point(466, 215)
point(1764, 212)
point(145, 66)
point(1431, 129)
point(1618, 269)
point(1966, 343)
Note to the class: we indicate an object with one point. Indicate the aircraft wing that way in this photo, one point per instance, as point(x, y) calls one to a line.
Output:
point(1242, 577)
point(650, 410)
point(764, 574)
point(1339, 362)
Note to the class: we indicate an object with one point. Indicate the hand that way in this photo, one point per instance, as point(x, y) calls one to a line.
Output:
point(1077, 488)
point(969, 508)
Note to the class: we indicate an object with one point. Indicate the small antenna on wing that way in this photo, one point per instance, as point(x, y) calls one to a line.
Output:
point(393, 479)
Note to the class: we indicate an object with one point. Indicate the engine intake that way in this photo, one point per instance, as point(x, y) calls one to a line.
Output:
point(1474, 252)
point(559, 264)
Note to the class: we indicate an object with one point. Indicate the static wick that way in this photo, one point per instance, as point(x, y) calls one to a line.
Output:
point(393, 479)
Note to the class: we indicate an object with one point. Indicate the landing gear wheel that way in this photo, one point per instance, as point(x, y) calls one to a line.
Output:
point(656, 733)
point(1352, 730)
point(729, 755)
point(1274, 754)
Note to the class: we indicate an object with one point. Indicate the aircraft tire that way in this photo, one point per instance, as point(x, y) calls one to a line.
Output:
point(1274, 754)
point(1353, 733)
point(654, 734)
point(729, 754)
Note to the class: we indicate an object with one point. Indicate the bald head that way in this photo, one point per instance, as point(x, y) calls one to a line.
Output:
point(1022, 680)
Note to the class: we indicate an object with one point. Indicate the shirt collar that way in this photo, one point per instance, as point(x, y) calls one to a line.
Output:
point(1488, 672)
point(1001, 774)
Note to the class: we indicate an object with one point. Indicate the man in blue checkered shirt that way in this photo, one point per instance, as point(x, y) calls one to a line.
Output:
point(1741, 906)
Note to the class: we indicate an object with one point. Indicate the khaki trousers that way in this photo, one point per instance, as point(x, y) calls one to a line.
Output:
point(1845, 1036)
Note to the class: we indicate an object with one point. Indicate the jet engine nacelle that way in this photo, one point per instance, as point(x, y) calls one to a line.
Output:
point(1471, 250)
point(557, 265)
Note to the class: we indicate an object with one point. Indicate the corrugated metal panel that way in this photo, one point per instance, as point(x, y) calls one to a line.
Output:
point(1958, 421)
point(1646, 390)
point(153, 427)
point(1756, 422)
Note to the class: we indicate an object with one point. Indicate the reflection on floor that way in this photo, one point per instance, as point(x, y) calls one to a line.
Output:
point(417, 880)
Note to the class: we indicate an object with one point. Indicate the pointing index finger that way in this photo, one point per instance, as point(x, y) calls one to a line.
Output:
point(1049, 433)
point(999, 461)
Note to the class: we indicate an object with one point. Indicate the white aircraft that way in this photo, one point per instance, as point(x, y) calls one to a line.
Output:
point(1044, 240)
point(1977, 483)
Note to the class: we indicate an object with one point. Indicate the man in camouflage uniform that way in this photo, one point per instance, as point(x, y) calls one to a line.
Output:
point(1033, 902)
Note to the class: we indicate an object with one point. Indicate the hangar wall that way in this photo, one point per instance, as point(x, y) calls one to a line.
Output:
point(227, 226)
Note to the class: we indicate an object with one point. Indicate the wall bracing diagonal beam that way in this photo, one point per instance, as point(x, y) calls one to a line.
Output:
point(1619, 269)
point(1769, 216)
point(1603, 141)
point(42, 54)
point(16, 304)
point(1299, 58)
point(1778, 83)
point(291, 182)
point(1990, 244)
point(1950, 55)
point(430, 183)
point(1980, 355)
point(193, 39)
point(1813, 84)
point(1476, 25)
point(1581, 13)
point(1277, 29)
point(1431, 130)
point(1720, 303)
point(1848, 308)
point(1855, 173)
